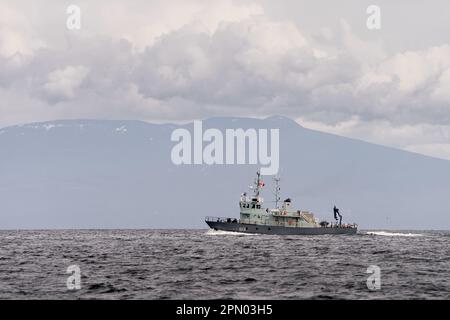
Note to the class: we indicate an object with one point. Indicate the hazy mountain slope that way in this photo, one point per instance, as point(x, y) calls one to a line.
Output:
point(118, 174)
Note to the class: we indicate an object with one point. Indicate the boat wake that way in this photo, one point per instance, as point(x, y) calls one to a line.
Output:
point(212, 232)
point(393, 234)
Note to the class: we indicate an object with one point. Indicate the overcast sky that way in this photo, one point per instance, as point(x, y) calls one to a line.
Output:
point(314, 61)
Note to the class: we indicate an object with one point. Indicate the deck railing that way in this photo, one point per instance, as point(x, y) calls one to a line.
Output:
point(221, 219)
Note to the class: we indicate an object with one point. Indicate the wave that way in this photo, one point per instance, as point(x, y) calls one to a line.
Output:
point(212, 232)
point(393, 234)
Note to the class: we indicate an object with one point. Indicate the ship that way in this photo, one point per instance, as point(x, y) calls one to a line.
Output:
point(281, 220)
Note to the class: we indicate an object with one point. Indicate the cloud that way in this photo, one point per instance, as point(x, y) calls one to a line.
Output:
point(247, 67)
point(142, 22)
point(429, 139)
point(441, 90)
point(17, 35)
point(62, 83)
point(244, 65)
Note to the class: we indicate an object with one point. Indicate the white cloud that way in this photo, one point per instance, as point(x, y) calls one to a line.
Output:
point(441, 90)
point(62, 83)
point(413, 71)
point(429, 139)
point(146, 21)
point(17, 35)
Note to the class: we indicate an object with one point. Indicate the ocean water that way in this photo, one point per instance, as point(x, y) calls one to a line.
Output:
point(201, 264)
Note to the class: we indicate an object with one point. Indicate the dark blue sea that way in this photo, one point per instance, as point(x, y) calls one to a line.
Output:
point(201, 264)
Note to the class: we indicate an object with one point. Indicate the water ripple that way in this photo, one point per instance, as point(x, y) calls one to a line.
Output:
point(200, 264)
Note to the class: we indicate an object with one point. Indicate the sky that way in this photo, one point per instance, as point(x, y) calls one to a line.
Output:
point(176, 61)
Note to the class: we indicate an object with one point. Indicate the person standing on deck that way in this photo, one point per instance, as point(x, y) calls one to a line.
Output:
point(336, 214)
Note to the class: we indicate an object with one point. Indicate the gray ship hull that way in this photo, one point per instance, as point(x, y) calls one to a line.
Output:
point(278, 230)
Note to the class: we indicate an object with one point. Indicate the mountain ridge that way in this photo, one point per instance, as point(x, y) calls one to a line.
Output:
point(184, 124)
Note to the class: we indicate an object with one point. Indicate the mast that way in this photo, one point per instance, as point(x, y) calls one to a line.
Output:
point(258, 184)
point(277, 191)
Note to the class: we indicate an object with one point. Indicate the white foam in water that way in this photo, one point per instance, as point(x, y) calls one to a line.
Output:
point(394, 234)
point(212, 232)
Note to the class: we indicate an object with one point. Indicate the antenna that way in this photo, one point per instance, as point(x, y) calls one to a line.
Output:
point(258, 184)
point(277, 190)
